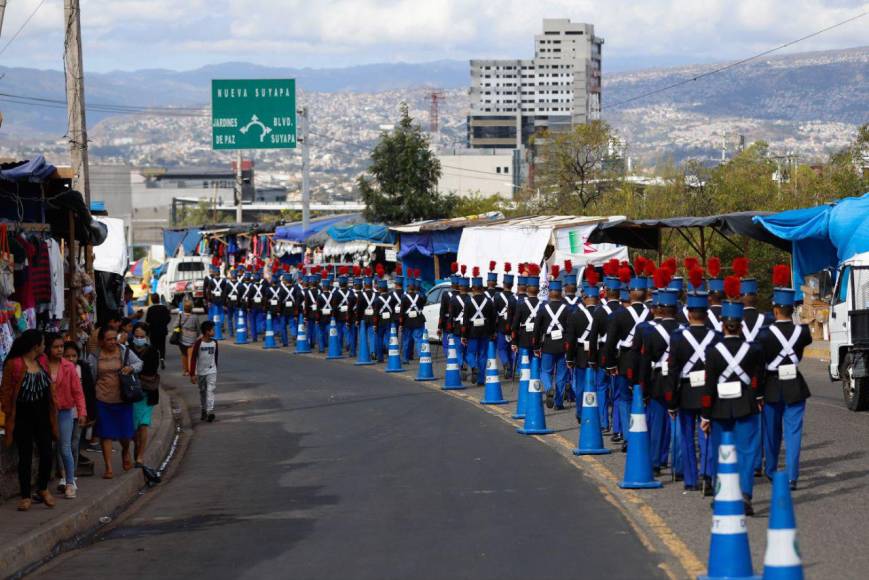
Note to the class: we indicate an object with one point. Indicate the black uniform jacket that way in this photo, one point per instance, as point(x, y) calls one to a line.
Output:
point(777, 389)
point(714, 406)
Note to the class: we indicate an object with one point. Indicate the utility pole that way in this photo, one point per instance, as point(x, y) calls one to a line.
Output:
point(2, 13)
point(239, 187)
point(306, 171)
point(78, 138)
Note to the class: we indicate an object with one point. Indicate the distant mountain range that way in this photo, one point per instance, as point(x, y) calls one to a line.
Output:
point(808, 102)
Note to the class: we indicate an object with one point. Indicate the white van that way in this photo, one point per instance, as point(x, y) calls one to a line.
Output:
point(183, 279)
point(849, 331)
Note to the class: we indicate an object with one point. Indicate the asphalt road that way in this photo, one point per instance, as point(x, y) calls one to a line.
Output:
point(320, 469)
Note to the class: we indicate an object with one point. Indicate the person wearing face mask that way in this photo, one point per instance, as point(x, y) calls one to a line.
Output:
point(150, 379)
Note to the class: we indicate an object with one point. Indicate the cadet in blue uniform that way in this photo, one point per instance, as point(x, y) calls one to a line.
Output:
point(457, 313)
point(716, 293)
point(504, 303)
point(231, 306)
point(550, 343)
point(351, 335)
point(492, 289)
point(341, 302)
point(365, 311)
point(412, 318)
point(245, 301)
point(212, 289)
point(478, 328)
point(733, 393)
point(324, 308)
point(278, 293)
point(383, 318)
point(523, 324)
point(445, 323)
point(578, 333)
point(785, 389)
point(312, 308)
point(597, 339)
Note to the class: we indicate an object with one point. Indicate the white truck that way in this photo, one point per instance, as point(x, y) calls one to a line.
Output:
point(849, 331)
point(183, 279)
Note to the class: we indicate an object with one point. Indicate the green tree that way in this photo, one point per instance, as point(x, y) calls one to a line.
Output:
point(201, 215)
point(477, 204)
point(404, 174)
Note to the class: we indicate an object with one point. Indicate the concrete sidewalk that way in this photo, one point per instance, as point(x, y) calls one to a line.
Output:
point(29, 538)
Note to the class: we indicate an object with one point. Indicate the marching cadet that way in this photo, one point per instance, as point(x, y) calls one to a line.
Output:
point(569, 293)
point(445, 323)
point(232, 293)
point(492, 289)
point(733, 393)
point(212, 289)
point(312, 306)
point(550, 342)
point(324, 308)
point(523, 324)
point(716, 293)
point(278, 293)
point(258, 295)
point(597, 340)
point(785, 389)
point(290, 304)
point(365, 312)
point(341, 303)
point(351, 335)
point(504, 303)
point(578, 333)
point(245, 301)
point(412, 317)
point(684, 393)
point(478, 327)
point(457, 312)
point(397, 294)
point(383, 318)
point(654, 371)
point(618, 358)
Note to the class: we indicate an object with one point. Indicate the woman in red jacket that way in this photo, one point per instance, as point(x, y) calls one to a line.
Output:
point(31, 418)
point(70, 403)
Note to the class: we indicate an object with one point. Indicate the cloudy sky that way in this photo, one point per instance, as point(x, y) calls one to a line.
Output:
point(183, 34)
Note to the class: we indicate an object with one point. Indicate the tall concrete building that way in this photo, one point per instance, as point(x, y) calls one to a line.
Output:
point(513, 99)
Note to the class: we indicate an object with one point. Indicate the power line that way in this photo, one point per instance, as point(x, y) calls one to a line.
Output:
point(20, 28)
point(737, 63)
point(107, 108)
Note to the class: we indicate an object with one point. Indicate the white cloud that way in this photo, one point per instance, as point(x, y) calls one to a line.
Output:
point(184, 33)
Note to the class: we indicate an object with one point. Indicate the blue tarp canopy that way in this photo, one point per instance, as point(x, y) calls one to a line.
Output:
point(188, 239)
point(295, 232)
point(823, 236)
point(374, 233)
point(37, 170)
point(430, 243)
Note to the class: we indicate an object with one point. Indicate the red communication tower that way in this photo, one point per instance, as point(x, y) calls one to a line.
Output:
point(436, 95)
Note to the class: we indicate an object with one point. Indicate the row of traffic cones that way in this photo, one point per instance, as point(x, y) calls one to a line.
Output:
point(729, 553)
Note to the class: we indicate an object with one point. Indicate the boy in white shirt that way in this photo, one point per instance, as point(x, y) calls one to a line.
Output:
point(203, 369)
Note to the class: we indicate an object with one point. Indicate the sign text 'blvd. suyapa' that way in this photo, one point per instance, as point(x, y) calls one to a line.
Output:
point(253, 114)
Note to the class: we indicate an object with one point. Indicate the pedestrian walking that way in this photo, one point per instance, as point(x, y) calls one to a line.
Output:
point(188, 329)
point(203, 364)
point(158, 318)
point(69, 401)
point(72, 353)
point(114, 415)
point(149, 377)
point(31, 414)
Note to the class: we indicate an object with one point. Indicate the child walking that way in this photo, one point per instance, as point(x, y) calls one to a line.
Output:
point(203, 368)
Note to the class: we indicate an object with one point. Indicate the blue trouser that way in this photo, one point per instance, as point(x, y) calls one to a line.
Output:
point(602, 386)
point(65, 425)
point(758, 460)
point(313, 332)
point(232, 316)
point(621, 404)
point(578, 388)
point(323, 335)
point(505, 353)
point(351, 336)
point(411, 338)
point(382, 341)
point(745, 437)
point(293, 322)
point(252, 324)
point(783, 421)
point(279, 325)
point(675, 441)
point(554, 364)
point(659, 432)
point(476, 356)
point(689, 423)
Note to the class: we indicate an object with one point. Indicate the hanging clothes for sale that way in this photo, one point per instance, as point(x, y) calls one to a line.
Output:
point(56, 263)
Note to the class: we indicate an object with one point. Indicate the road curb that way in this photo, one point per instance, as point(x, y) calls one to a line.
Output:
point(45, 542)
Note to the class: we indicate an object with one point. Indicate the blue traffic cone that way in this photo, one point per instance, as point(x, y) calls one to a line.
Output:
point(269, 340)
point(241, 329)
point(425, 372)
point(524, 376)
point(638, 462)
point(363, 352)
point(782, 560)
point(303, 345)
point(217, 319)
point(492, 394)
point(393, 362)
point(535, 420)
point(729, 553)
point(334, 342)
point(452, 377)
point(590, 438)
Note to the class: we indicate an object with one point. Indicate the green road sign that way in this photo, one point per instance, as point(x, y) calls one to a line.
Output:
point(253, 114)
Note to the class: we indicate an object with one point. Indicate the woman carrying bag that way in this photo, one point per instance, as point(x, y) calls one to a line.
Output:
point(31, 416)
point(150, 379)
point(113, 366)
point(185, 334)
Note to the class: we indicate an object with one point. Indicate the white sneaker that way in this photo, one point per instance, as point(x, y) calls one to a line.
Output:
point(70, 492)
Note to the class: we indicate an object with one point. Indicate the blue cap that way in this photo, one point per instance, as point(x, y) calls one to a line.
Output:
point(555, 285)
point(464, 282)
point(477, 282)
point(382, 284)
point(492, 277)
point(286, 276)
point(508, 280)
point(697, 299)
point(532, 281)
point(624, 294)
point(570, 280)
point(612, 283)
point(342, 279)
point(783, 296)
point(213, 268)
point(748, 286)
point(676, 283)
point(366, 281)
point(522, 281)
point(638, 283)
point(398, 280)
point(731, 310)
point(410, 282)
point(591, 290)
point(667, 297)
point(454, 279)
point(418, 283)
point(715, 284)
point(654, 298)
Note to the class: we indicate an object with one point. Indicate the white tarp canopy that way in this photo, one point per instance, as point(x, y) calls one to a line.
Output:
point(332, 248)
point(111, 255)
point(526, 240)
